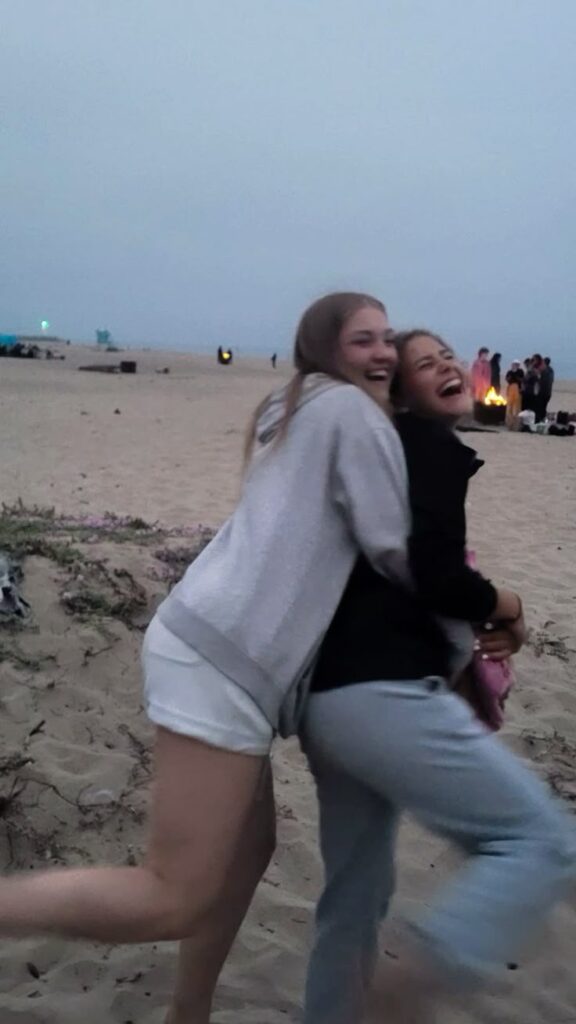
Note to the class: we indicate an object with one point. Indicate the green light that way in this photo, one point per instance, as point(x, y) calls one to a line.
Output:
point(44, 324)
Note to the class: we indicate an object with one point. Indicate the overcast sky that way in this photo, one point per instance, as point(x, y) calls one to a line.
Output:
point(192, 173)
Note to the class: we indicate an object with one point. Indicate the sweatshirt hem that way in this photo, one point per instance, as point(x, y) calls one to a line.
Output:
point(224, 655)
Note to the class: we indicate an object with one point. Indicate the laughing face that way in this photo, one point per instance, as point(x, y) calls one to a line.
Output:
point(433, 381)
point(367, 355)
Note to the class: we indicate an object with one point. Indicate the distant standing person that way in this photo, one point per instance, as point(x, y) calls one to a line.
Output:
point(273, 360)
point(528, 386)
point(546, 387)
point(495, 371)
point(527, 366)
point(532, 386)
point(481, 375)
point(514, 382)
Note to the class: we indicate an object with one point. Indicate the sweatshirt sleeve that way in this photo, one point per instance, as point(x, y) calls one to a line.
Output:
point(437, 545)
point(370, 485)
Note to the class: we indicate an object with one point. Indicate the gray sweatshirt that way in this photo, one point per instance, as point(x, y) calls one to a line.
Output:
point(258, 600)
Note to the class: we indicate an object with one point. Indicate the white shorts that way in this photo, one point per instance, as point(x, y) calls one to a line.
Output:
point(187, 694)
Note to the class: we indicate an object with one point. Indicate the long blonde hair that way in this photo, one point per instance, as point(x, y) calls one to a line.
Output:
point(315, 351)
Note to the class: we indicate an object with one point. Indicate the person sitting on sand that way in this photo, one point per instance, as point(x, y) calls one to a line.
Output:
point(384, 734)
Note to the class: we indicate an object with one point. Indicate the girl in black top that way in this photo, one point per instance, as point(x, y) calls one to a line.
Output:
point(373, 608)
point(384, 733)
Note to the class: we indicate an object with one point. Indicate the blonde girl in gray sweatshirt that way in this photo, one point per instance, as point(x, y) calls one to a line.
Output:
point(326, 480)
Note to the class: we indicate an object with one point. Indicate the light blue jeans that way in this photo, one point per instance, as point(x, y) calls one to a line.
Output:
point(379, 748)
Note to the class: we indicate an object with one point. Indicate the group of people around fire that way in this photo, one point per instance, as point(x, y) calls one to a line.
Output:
point(528, 385)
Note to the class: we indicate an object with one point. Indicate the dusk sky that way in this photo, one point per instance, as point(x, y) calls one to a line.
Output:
point(187, 174)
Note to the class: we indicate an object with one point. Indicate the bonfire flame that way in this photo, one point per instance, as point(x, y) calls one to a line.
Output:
point(493, 398)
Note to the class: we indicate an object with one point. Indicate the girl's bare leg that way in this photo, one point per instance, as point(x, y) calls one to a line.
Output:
point(202, 957)
point(202, 800)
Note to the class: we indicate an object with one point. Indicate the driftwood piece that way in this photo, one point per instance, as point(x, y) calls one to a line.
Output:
point(101, 368)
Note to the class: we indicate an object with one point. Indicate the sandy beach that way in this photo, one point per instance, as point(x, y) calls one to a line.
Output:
point(165, 448)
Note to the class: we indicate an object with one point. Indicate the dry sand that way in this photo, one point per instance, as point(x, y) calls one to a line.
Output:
point(74, 761)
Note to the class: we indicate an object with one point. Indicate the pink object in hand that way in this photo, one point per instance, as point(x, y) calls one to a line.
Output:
point(492, 680)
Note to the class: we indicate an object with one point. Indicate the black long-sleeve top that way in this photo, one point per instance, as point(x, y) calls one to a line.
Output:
point(383, 631)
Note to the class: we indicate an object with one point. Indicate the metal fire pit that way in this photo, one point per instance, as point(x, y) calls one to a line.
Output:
point(489, 415)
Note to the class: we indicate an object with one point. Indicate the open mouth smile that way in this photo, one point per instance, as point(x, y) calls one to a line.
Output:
point(378, 375)
point(451, 388)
